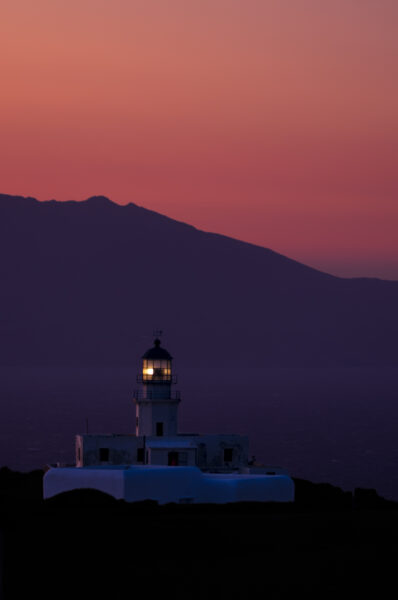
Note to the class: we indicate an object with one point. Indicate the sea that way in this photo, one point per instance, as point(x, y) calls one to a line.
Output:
point(337, 426)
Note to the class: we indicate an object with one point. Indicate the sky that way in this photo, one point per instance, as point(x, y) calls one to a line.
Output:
point(271, 121)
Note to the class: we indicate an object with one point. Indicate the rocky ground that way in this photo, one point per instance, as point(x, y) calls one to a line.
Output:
point(326, 544)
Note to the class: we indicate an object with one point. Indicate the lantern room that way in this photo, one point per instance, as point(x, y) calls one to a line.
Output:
point(156, 365)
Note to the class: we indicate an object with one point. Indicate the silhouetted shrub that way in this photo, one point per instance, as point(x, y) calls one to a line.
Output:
point(321, 496)
point(369, 499)
point(81, 498)
point(18, 486)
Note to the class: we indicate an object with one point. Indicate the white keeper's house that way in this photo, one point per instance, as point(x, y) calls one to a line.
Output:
point(158, 462)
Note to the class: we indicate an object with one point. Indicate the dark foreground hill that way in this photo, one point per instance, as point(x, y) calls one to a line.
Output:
point(86, 283)
point(327, 544)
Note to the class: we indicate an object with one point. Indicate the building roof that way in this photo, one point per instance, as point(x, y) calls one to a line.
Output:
point(170, 443)
point(157, 352)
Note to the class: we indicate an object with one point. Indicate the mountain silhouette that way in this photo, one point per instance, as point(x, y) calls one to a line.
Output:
point(86, 283)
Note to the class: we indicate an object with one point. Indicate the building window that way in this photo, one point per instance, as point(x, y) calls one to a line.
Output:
point(159, 429)
point(140, 455)
point(183, 459)
point(136, 421)
point(78, 454)
point(104, 454)
point(228, 454)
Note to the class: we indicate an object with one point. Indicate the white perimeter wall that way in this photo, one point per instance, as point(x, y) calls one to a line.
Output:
point(170, 484)
point(65, 479)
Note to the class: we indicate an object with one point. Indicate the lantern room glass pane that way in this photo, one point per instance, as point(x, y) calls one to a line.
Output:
point(156, 370)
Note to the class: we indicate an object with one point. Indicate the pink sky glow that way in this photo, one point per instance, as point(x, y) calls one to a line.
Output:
point(272, 121)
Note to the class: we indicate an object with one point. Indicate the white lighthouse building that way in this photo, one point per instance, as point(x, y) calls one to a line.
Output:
point(160, 463)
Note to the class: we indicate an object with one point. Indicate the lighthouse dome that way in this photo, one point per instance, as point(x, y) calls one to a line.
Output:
point(157, 353)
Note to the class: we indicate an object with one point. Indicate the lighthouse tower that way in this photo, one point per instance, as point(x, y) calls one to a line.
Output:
point(156, 404)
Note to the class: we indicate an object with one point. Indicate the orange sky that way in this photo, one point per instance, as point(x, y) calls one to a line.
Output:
point(273, 121)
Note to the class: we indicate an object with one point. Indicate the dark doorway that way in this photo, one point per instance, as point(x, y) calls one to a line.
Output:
point(104, 454)
point(159, 429)
point(173, 459)
point(228, 455)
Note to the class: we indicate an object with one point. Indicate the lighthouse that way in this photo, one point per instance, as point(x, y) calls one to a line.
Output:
point(156, 403)
point(158, 462)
